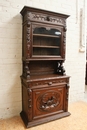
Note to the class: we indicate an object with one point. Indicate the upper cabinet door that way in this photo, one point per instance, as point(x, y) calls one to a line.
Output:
point(47, 41)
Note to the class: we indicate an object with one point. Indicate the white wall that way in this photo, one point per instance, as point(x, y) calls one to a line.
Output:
point(11, 51)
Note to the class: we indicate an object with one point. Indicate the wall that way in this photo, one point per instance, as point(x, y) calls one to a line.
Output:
point(11, 46)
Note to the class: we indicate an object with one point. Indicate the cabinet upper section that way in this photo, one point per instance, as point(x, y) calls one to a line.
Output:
point(39, 15)
point(44, 34)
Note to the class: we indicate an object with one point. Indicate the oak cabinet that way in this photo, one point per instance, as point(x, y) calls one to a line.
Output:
point(45, 85)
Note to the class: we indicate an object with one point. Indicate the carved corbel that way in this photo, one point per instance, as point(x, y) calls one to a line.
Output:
point(60, 68)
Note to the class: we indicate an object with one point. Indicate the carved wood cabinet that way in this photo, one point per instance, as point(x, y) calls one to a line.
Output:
point(45, 86)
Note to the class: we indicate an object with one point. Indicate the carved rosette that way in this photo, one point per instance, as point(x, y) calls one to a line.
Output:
point(45, 18)
point(49, 101)
point(29, 104)
point(28, 40)
point(60, 68)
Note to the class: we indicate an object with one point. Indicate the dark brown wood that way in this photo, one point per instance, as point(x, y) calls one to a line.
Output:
point(45, 86)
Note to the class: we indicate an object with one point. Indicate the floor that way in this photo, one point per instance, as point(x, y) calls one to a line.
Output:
point(76, 121)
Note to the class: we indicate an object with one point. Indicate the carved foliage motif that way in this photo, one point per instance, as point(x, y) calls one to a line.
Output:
point(29, 104)
point(64, 41)
point(40, 17)
point(47, 82)
point(28, 40)
point(48, 101)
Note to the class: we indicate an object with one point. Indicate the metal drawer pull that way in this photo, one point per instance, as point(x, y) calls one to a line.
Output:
point(50, 83)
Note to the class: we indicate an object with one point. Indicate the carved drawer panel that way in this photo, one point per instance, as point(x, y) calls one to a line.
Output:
point(48, 83)
point(48, 101)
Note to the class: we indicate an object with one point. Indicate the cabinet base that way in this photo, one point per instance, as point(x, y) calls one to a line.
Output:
point(44, 120)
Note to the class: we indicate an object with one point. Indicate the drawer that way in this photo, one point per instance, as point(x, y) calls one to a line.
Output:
point(48, 83)
point(48, 101)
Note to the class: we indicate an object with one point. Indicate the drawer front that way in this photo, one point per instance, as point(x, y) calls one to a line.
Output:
point(48, 101)
point(48, 83)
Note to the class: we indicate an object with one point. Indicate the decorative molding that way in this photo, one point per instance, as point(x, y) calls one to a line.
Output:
point(48, 83)
point(45, 18)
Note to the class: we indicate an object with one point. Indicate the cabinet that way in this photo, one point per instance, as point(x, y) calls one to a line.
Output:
point(45, 85)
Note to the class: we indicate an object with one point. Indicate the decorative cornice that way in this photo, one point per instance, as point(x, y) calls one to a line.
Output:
point(45, 18)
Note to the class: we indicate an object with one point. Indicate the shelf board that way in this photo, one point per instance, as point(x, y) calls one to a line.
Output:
point(55, 56)
point(44, 35)
point(41, 46)
point(41, 58)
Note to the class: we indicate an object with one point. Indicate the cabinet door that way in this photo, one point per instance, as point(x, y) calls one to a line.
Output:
point(47, 41)
point(48, 101)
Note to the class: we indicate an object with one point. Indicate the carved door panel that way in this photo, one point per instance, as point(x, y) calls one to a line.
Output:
point(48, 101)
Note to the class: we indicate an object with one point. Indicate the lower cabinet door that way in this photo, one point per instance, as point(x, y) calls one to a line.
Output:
point(48, 101)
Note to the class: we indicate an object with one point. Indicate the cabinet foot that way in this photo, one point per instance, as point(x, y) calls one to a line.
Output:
point(43, 120)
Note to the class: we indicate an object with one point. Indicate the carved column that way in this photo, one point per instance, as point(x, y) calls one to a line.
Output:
point(29, 104)
point(67, 93)
point(26, 71)
point(64, 41)
point(28, 42)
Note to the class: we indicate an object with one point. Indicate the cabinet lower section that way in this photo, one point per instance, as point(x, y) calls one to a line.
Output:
point(44, 99)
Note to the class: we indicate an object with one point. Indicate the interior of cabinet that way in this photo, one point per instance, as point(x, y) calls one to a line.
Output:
point(46, 42)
